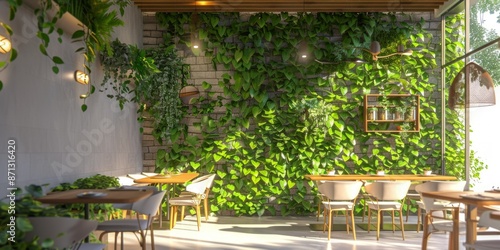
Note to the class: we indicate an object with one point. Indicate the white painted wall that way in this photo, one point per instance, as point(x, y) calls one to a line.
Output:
point(54, 140)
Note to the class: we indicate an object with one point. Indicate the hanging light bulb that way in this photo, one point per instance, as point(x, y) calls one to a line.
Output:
point(81, 77)
point(5, 45)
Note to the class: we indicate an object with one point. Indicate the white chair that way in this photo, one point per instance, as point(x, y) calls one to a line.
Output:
point(148, 207)
point(439, 186)
point(387, 196)
point(339, 196)
point(126, 207)
point(66, 233)
point(436, 218)
point(204, 198)
point(198, 191)
point(486, 221)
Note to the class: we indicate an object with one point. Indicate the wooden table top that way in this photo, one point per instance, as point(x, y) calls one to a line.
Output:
point(495, 215)
point(108, 196)
point(390, 177)
point(480, 199)
point(172, 179)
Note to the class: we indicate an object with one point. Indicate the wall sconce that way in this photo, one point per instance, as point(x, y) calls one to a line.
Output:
point(187, 93)
point(81, 77)
point(5, 45)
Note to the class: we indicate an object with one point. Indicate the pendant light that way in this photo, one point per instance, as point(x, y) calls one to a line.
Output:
point(480, 90)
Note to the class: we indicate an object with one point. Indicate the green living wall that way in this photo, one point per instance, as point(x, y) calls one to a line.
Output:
point(280, 118)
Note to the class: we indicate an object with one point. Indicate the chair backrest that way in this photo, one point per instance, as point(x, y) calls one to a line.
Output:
point(64, 231)
point(432, 186)
point(486, 221)
point(200, 186)
point(438, 186)
point(128, 206)
point(388, 190)
point(340, 190)
point(150, 205)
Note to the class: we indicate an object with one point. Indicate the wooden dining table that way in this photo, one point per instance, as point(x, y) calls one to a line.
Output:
point(374, 177)
point(167, 179)
point(95, 196)
point(473, 201)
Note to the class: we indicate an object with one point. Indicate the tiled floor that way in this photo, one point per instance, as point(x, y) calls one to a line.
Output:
point(249, 233)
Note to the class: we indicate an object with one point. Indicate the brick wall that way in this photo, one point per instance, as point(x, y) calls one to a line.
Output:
point(202, 70)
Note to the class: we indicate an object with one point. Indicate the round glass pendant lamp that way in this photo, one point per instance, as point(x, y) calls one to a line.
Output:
point(481, 90)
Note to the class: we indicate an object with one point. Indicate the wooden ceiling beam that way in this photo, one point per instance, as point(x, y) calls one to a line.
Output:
point(289, 5)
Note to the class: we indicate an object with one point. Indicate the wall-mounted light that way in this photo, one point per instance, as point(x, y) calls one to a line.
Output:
point(187, 93)
point(81, 77)
point(5, 45)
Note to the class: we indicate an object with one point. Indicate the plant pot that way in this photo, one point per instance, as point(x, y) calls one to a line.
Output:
point(371, 115)
point(380, 172)
point(382, 114)
point(427, 172)
point(398, 116)
point(410, 115)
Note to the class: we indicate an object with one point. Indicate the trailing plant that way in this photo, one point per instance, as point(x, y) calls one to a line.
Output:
point(99, 22)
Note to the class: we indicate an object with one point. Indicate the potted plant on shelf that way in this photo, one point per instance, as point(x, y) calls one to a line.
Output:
point(399, 112)
point(372, 113)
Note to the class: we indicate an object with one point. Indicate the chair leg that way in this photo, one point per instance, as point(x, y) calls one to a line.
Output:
point(330, 220)
point(324, 219)
point(347, 221)
point(182, 213)
point(426, 233)
point(205, 206)
point(369, 219)
point(401, 223)
point(353, 227)
point(393, 222)
point(419, 218)
point(173, 216)
point(151, 232)
point(378, 223)
point(198, 216)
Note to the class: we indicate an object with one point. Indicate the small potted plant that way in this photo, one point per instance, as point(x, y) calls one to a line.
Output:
point(427, 171)
point(372, 114)
point(380, 171)
point(399, 113)
point(331, 172)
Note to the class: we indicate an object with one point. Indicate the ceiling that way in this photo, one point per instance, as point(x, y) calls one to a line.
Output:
point(290, 5)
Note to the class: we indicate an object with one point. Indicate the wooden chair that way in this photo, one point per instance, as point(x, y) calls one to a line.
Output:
point(339, 196)
point(204, 198)
point(387, 196)
point(196, 192)
point(485, 220)
point(431, 186)
point(436, 218)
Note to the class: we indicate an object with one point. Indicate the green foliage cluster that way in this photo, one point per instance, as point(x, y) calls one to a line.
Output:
point(98, 181)
point(98, 21)
point(280, 118)
point(151, 78)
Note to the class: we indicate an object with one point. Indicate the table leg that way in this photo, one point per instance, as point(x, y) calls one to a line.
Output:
point(454, 235)
point(471, 224)
point(86, 216)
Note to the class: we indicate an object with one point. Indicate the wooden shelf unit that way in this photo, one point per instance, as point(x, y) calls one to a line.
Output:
point(391, 123)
